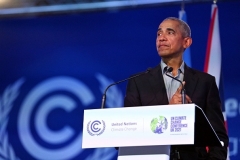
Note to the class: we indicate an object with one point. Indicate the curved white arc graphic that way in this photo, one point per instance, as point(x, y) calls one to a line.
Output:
point(41, 126)
point(57, 83)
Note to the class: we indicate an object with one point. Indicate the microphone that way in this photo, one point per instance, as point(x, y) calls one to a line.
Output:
point(183, 91)
point(104, 94)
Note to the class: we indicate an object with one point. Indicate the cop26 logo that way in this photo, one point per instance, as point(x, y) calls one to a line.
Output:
point(30, 115)
point(159, 125)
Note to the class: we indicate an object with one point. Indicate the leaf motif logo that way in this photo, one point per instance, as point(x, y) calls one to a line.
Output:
point(6, 104)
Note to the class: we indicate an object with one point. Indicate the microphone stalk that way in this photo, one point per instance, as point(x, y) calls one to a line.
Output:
point(183, 91)
point(104, 97)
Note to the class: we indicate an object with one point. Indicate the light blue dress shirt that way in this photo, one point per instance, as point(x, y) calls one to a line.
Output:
point(171, 84)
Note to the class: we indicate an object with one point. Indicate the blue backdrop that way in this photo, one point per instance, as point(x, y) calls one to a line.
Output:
point(53, 67)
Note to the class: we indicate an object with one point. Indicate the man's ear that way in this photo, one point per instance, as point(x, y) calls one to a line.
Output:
point(187, 42)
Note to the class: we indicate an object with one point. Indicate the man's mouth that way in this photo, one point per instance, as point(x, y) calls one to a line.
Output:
point(163, 46)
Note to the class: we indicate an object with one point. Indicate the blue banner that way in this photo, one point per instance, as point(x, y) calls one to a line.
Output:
point(54, 67)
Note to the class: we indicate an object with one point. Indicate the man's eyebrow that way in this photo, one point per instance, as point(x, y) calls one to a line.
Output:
point(168, 29)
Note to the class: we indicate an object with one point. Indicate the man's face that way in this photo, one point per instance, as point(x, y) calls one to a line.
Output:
point(170, 42)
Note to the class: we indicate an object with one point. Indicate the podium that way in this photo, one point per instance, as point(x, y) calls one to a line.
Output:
point(147, 132)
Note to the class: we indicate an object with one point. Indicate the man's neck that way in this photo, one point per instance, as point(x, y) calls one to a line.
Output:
point(174, 63)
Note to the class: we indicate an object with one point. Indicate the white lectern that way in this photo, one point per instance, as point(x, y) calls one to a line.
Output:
point(146, 132)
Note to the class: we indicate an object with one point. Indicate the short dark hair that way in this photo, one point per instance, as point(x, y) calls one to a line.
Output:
point(186, 31)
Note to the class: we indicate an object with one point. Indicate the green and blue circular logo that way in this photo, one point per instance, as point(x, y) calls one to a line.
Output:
point(159, 125)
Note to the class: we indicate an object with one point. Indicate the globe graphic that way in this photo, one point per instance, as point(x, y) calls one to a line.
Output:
point(159, 125)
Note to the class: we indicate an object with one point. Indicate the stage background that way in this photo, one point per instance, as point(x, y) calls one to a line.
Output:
point(53, 67)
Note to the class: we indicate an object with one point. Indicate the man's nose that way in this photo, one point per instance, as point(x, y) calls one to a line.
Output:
point(162, 37)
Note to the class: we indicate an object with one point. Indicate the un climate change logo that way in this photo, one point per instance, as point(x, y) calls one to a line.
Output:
point(62, 93)
point(34, 121)
point(95, 127)
point(159, 125)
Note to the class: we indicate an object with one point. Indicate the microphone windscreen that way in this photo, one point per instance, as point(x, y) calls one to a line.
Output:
point(170, 69)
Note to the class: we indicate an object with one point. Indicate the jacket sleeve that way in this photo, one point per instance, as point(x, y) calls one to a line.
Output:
point(215, 116)
point(132, 97)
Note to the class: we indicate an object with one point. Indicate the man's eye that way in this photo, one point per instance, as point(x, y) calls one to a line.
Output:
point(170, 32)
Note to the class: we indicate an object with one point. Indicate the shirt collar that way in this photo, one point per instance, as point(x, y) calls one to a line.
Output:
point(164, 67)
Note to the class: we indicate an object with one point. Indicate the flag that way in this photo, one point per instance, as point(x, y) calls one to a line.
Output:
point(186, 55)
point(213, 55)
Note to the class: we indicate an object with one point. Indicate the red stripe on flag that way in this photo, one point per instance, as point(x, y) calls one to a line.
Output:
point(209, 44)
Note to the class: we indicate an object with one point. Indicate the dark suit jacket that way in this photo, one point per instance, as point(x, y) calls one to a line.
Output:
point(149, 89)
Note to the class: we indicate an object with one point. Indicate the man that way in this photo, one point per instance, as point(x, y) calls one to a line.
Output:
point(155, 88)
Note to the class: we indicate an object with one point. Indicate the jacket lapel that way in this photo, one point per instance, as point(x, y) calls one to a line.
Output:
point(158, 86)
point(191, 80)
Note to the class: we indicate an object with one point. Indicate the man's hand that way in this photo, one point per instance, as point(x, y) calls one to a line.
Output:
point(177, 97)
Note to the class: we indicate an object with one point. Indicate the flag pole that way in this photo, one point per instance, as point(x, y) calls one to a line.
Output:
point(183, 5)
point(183, 16)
